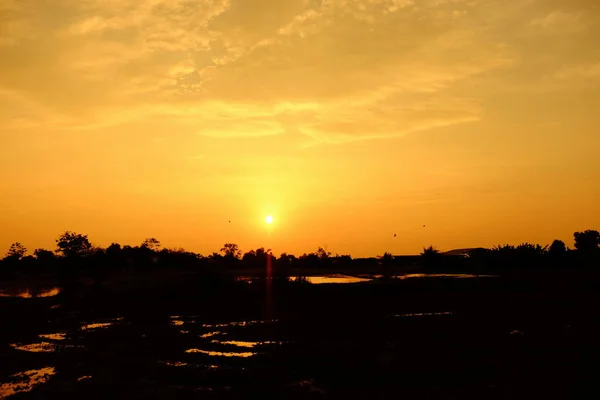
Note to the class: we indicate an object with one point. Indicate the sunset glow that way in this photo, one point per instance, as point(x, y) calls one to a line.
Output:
point(349, 121)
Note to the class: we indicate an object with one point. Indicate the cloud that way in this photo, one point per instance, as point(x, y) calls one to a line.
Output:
point(336, 70)
point(560, 20)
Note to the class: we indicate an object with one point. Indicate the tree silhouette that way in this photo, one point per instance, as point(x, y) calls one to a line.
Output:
point(44, 256)
point(231, 251)
point(587, 241)
point(71, 244)
point(386, 261)
point(16, 251)
point(557, 248)
point(430, 252)
point(323, 254)
point(152, 244)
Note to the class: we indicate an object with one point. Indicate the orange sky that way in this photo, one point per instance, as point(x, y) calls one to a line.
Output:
point(347, 120)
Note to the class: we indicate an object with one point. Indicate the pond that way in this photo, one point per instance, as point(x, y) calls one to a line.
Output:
point(359, 278)
point(29, 293)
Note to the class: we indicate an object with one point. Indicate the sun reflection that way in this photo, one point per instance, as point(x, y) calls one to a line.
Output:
point(237, 343)
point(26, 381)
point(220, 354)
point(424, 314)
point(42, 347)
point(53, 336)
point(98, 325)
point(176, 364)
point(30, 294)
point(238, 323)
point(209, 334)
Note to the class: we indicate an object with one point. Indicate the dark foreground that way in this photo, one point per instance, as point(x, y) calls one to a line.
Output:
point(423, 339)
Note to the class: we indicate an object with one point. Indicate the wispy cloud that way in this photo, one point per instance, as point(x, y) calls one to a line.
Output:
point(336, 70)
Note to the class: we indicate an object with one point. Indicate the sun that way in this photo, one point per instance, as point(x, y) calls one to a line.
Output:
point(269, 219)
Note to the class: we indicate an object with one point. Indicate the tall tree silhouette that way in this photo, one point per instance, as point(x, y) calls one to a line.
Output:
point(16, 251)
point(231, 251)
point(587, 241)
point(557, 248)
point(71, 244)
point(152, 244)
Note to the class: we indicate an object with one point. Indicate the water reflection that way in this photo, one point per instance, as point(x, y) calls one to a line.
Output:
point(42, 347)
point(26, 381)
point(220, 354)
point(53, 336)
point(238, 323)
point(209, 334)
point(236, 343)
point(176, 323)
point(176, 364)
point(30, 293)
point(333, 278)
point(98, 325)
point(101, 325)
point(83, 378)
point(423, 314)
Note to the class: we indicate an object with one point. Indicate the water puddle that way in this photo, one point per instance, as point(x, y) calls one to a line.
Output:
point(221, 354)
point(30, 293)
point(100, 325)
point(333, 278)
point(26, 381)
point(54, 336)
point(209, 334)
point(175, 363)
point(424, 314)
point(238, 323)
point(42, 347)
point(237, 343)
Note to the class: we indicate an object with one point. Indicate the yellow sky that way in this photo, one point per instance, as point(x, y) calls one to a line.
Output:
point(347, 120)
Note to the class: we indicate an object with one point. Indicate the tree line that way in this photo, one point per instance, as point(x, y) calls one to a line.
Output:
point(74, 253)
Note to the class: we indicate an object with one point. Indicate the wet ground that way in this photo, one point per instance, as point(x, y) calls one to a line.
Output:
point(440, 339)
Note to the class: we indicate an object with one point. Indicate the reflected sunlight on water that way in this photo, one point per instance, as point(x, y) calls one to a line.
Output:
point(176, 364)
point(220, 354)
point(209, 334)
point(26, 381)
point(237, 343)
point(333, 278)
point(238, 323)
point(54, 336)
point(42, 347)
point(99, 325)
point(424, 314)
point(84, 378)
point(29, 293)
